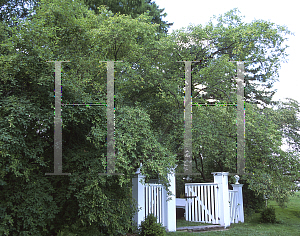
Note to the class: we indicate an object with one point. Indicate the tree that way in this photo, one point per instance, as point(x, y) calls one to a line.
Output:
point(13, 10)
point(231, 39)
point(214, 135)
point(21, 9)
point(42, 205)
point(275, 170)
point(134, 8)
point(214, 132)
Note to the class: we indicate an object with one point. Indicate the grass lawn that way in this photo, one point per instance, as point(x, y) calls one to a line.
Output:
point(182, 223)
point(289, 223)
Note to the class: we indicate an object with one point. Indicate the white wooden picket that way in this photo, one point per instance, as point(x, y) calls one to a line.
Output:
point(153, 201)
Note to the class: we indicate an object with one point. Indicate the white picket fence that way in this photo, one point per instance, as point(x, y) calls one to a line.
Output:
point(154, 201)
point(205, 202)
point(152, 198)
point(204, 206)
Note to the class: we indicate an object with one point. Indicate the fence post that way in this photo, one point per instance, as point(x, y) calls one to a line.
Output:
point(240, 209)
point(171, 204)
point(138, 193)
point(221, 178)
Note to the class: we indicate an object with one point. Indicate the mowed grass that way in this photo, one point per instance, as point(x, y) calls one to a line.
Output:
point(182, 223)
point(288, 223)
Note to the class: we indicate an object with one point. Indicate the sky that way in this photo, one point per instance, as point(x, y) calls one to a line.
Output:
point(196, 12)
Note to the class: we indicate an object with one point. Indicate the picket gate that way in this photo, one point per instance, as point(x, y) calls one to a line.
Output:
point(213, 202)
point(202, 202)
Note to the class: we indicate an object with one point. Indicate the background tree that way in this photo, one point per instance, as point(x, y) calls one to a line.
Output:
point(226, 38)
point(15, 8)
point(134, 8)
point(20, 9)
point(275, 171)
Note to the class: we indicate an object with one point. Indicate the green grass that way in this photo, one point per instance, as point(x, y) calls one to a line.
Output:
point(288, 223)
point(182, 223)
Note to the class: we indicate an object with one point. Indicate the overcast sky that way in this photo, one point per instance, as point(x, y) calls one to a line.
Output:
point(182, 13)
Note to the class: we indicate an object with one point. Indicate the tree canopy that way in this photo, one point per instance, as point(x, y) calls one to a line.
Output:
point(20, 9)
point(261, 45)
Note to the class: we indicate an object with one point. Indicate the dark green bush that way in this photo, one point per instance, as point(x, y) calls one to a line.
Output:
point(267, 215)
point(252, 201)
point(150, 227)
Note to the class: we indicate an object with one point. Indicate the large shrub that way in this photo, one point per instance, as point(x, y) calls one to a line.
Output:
point(150, 227)
point(268, 215)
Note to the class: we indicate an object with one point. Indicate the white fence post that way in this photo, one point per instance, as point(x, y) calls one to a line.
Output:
point(171, 204)
point(240, 209)
point(221, 178)
point(138, 193)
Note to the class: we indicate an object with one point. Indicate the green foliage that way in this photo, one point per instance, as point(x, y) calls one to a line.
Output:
point(274, 170)
point(252, 201)
point(227, 38)
point(150, 227)
point(268, 215)
point(83, 202)
point(17, 9)
point(149, 113)
point(214, 150)
point(224, 39)
point(133, 9)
